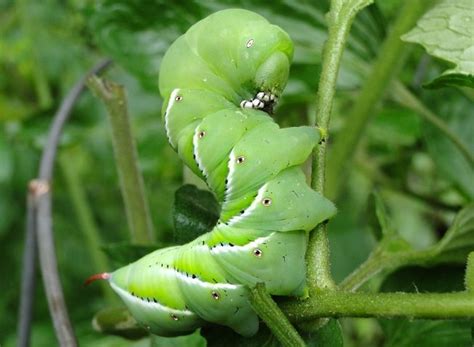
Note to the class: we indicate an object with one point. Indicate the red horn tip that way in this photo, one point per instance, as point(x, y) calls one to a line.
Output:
point(93, 278)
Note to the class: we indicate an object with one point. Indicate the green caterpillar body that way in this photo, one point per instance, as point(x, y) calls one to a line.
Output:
point(218, 81)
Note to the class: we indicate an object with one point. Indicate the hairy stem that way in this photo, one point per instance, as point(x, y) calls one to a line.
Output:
point(387, 64)
point(131, 180)
point(339, 19)
point(414, 305)
point(276, 321)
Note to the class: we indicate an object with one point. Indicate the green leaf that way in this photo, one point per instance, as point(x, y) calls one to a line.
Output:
point(378, 217)
point(451, 80)
point(118, 321)
point(451, 163)
point(458, 241)
point(423, 333)
point(446, 32)
point(394, 126)
point(426, 333)
point(195, 212)
point(330, 335)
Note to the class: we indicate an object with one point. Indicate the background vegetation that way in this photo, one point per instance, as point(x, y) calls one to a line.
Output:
point(422, 179)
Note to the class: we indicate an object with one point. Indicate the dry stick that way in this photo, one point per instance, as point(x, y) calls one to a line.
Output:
point(131, 181)
point(39, 218)
point(28, 276)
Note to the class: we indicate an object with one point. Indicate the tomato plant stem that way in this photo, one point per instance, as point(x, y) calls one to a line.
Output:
point(276, 321)
point(339, 18)
point(413, 305)
point(131, 181)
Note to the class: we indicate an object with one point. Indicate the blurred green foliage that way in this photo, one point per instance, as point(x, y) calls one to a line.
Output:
point(45, 46)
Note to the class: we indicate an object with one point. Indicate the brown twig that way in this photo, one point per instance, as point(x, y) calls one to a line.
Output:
point(39, 222)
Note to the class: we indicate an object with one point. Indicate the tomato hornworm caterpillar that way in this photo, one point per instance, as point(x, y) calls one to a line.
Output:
point(220, 82)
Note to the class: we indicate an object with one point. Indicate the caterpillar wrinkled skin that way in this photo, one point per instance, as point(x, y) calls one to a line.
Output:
point(220, 80)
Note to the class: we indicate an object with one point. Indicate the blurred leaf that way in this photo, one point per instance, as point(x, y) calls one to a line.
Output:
point(118, 321)
point(438, 279)
point(6, 161)
point(395, 126)
point(426, 333)
point(378, 217)
point(124, 253)
point(195, 212)
point(137, 36)
point(192, 340)
point(217, 336)
point(458, 241)
point(405, 333)
point(452, 165)
point(446, 32)
point(330, 335)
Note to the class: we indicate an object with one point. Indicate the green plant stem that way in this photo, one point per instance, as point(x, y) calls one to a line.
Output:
point(407, 99)
point(412, 305)
point(268, 310)
point(387, 64)
point(131, 181)
point(86, 222)
point(339, 19)
point(378, 262)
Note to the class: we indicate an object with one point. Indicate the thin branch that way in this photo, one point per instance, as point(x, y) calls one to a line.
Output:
point(28, 276)
point(458, 305)
point(60, 118)
point(277, 322)
point(131, 180)
point(39, 217)
point(49, 268)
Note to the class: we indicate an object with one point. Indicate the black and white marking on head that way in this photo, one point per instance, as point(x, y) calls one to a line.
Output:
point(264, 101)
point(250, 43)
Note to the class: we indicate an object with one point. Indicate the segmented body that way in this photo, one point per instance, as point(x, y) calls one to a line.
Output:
point(218, 81)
